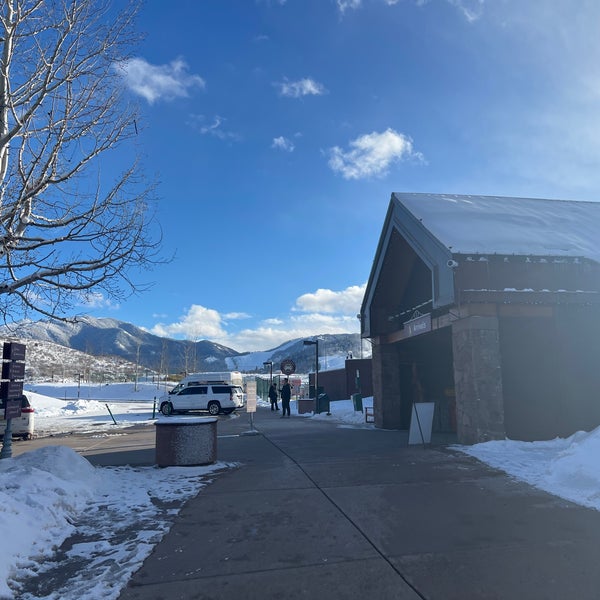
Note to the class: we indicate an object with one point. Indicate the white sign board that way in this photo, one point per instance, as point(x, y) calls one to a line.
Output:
point(251, 396)
point(421, 421)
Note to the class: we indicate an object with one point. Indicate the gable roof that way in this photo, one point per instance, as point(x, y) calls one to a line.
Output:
point(497, 225)
point(440, 226)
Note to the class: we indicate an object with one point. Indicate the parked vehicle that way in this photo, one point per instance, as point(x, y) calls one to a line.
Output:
point(22, 426)
point(226, 377)
point(215, 398)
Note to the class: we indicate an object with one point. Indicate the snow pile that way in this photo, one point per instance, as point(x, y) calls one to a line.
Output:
point(568, 468)
point(40, 495)
point(119, 514)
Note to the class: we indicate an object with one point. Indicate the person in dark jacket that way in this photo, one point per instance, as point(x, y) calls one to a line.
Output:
point(273, 397)
point(286, 396)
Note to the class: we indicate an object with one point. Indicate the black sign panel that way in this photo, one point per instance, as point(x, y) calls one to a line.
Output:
point(12, 409)
point(13, 370)
point(11, 389)
point(13, 351)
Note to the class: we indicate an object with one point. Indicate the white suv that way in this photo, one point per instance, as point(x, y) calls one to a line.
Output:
point(215, 398)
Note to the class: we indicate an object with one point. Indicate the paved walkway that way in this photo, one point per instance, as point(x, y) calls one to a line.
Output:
point(322, 511)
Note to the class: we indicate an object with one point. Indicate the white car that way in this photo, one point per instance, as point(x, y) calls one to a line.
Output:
point(222, 398)
point(22, 426)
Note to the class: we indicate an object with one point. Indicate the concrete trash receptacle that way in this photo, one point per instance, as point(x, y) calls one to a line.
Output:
point(186, 441)
point(306, 405)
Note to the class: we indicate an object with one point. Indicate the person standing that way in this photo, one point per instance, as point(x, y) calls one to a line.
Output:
point(286, 396)
point(273, 397)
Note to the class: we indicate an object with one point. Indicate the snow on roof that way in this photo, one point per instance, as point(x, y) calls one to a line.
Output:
point(498, 225)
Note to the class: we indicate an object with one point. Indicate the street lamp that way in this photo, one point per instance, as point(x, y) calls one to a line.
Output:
point(269, 364)
point(359, 317)
point(315, 343)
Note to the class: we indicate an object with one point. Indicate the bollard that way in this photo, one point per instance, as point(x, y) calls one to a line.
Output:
point(110, 413)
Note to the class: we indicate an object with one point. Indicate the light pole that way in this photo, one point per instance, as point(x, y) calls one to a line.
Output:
point(269, 364)
point(315, 343)
point(359, 317)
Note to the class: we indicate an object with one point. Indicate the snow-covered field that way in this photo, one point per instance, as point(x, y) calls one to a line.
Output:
point(119, 514)
point(61, 408)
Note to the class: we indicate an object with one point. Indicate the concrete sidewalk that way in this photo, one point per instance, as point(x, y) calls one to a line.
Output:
point(317, 511)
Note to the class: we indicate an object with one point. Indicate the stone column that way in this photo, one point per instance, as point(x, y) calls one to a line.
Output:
point(386, 386)
point(478, 379)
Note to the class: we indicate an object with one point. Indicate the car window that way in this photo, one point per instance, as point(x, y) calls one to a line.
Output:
point(193, 390)
point(221, 389)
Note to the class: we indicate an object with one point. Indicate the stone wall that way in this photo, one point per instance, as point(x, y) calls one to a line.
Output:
point(478, 379)
point(386, 386)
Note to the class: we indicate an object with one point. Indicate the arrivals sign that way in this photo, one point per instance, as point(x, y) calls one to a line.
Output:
point(421, 324)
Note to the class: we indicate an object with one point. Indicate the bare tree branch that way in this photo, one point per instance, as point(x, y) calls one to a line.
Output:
point(66, 228)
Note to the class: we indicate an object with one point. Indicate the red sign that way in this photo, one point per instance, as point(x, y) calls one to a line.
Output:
point(288, 366)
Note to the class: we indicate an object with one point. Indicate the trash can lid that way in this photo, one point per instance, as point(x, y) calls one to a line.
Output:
point(185, 420)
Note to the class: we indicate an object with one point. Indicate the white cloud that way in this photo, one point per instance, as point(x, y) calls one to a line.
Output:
point(215, 128)
point(235, 316)
point(471, 9)
point(344, 5)
point(302, 87)
point(266, 337)
point(94, 300)
point(159, 82)
point(321, 312)
point(347, 301)
point(282, 143)
point(372, 154)
point(198, 323)
point(273, 321)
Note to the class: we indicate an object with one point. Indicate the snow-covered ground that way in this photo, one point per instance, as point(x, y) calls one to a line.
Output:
point(119, 514)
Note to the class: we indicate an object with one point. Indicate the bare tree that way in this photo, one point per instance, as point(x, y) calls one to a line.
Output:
point(69, 227)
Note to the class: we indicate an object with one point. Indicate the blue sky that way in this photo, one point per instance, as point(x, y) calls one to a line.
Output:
point(278, 130)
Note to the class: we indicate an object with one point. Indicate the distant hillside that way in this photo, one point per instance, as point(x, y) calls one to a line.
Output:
point(109, 337)
point(46, 361)
point(104, 338)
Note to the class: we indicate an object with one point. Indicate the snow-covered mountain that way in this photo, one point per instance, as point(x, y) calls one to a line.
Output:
point(110, 339)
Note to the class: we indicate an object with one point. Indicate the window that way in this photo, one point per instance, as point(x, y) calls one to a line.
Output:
point(221, 389)
point(193, 390)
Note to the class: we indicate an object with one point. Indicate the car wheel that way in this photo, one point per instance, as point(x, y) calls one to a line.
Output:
point(166, 409)
point(214, 408)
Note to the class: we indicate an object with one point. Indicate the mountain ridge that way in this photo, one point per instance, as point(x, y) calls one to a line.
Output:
point(107, 337)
